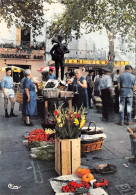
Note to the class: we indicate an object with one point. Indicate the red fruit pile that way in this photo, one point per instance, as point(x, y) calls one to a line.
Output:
point(38, 135)
point(73, 186)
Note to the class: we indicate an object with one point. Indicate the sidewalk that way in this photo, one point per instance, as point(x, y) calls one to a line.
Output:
point(16, 166)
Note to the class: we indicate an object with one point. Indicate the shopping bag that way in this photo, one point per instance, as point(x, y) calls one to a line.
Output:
point(19, 97)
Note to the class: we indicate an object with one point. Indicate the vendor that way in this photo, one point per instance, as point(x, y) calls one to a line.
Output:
point(51, 75)
point(79, 86)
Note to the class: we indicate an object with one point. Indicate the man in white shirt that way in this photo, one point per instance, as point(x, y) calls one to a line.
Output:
point(116, 76)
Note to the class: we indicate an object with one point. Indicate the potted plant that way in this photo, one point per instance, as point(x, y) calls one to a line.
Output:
point(67, 142)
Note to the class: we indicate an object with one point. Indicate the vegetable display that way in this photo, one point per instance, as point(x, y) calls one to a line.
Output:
point(50, 85)
point(81, 172)
point(47, 153)
point(50, 131)
point(88, 177)
point(34, 144)
point(73, 186)
point(39, 135)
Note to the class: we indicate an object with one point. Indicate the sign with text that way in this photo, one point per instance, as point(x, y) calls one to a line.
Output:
point(120, 63)
point(82, 61)
point(95, 62)
point(22, 56)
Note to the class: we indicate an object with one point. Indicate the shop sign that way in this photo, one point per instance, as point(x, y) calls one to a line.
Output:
point(96, 62)
point(81, 61)
point(28, 56)
point(120, 63)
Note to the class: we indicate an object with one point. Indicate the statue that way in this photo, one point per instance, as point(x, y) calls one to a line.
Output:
point(57, 52)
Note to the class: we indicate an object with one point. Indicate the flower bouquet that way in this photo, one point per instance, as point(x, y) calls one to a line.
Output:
point(68, 123)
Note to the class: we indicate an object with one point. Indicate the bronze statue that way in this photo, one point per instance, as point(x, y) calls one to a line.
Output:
point(57, 52)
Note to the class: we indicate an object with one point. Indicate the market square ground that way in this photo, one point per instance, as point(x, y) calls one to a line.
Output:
point(17, 167)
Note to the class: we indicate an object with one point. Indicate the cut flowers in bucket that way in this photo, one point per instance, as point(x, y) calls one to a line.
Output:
point(69, 123)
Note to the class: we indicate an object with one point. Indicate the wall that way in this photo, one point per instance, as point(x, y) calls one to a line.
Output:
point(35, 64)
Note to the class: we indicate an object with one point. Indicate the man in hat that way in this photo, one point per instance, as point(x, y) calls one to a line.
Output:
point(106, 95)
point(8, 93)
point(126, 86)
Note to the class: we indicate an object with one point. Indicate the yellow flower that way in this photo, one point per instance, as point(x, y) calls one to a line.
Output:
point(60, 125)
point(83, 117)
point(59, 120)
point(76, 121)
point(82, 123)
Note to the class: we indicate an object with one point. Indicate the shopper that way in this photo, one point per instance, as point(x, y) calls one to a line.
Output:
point(116, 102)
point(29, 98)
point(8, 93)
point(22, 91)
point(97, 82)
point(116, 76)
point(90, 86)
point(106, 95)
point(79, 85)
point(126, 86)
point(51, 75)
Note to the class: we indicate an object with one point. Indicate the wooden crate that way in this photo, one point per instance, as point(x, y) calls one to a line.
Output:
point(67, 156)
point(66, 94)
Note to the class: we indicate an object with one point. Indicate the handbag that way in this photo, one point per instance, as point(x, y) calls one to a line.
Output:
point(19, 97)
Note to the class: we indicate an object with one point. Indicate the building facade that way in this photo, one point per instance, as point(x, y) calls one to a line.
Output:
point(18, 48)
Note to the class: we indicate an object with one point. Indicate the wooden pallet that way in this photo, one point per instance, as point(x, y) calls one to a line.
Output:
point(67, 156)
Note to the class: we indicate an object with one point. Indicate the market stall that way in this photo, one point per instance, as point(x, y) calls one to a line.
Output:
point(53, 93)
point(64, 143)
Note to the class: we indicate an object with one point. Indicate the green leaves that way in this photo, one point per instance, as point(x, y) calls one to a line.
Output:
point(23, 13)
point(92, 15)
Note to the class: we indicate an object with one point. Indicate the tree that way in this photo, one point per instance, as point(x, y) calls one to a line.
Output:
point(117, 16)
point(23, 13)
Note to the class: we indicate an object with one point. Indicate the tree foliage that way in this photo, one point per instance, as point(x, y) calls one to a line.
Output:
point(23, 13)
point(92, 15)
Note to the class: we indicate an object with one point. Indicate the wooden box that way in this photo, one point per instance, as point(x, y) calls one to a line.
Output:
point(51, 93)
point(67, 156)
point(66, 94)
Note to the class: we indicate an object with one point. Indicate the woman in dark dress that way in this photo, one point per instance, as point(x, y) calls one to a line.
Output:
point(79, 86)
point(29, 98)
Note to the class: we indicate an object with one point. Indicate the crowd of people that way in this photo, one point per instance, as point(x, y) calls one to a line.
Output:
point(117, 94)
point(121, 88)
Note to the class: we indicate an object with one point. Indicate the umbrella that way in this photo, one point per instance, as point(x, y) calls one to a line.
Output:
point(13, 68)
point(46, 69)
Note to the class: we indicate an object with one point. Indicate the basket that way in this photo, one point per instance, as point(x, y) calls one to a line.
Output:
point(89, 147)
point(88, 131)
point(19, 97)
